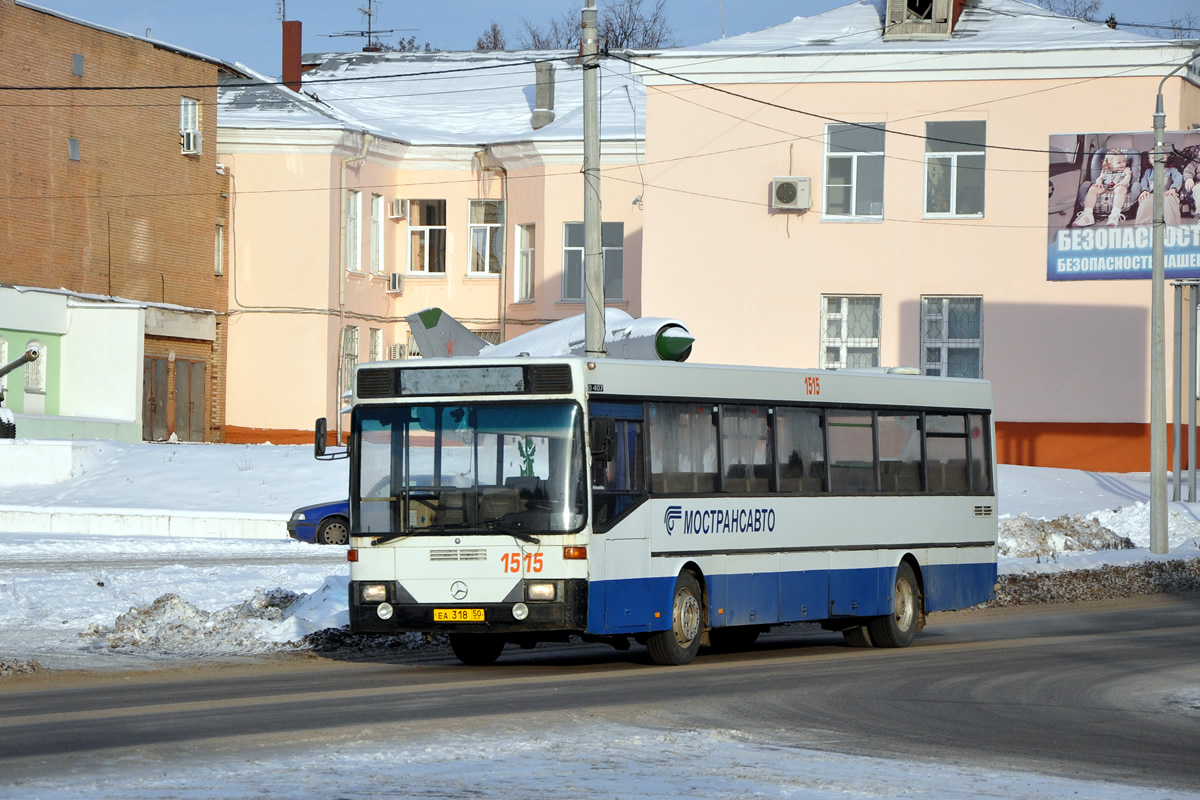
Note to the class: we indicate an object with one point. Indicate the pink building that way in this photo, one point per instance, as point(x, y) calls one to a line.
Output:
point(868, 186)
point(394, 182)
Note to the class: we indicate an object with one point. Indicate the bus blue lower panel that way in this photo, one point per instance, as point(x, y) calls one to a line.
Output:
point(767, 598)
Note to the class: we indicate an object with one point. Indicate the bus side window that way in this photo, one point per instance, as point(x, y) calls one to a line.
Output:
point(683, 448)
point(851, 451)
point(981, 448)
point(800, 440)
point(746, 449)
point(946, 453)
point(899, 452)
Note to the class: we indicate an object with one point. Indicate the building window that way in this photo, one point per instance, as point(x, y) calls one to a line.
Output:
point(377, 234)
point(353, 213)
point(35, 371)
point(375, 344)
point(77, 65)
point(850, 331)
point(73, 149)
point(854, 171)
point(189, 126)
point(486, 235)
point(525, 263)
point(349, 356)
point(952, 336)
point(612, 244)
point(219, 252)
point(954, 168)
point(427, 236)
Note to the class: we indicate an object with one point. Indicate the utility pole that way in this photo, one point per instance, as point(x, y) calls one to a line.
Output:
point(1158, 345)
point(593, 256)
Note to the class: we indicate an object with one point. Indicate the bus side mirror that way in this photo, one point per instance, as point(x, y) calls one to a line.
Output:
point(603, 435)
point(321, 436)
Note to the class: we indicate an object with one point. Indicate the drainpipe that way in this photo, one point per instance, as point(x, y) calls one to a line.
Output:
point(502, 312)
point(346, 162)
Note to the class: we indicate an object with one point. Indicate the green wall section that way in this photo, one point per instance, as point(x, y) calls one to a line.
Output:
point(14, 396)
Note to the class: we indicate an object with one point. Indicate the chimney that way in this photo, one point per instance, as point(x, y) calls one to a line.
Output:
point(543, 106)
point(292, 48)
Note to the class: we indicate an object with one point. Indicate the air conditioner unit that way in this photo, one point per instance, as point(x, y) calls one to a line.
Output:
point(396, 282)
point(190, 142)
point(397, 352)
point(790, 193)
point(399, 209)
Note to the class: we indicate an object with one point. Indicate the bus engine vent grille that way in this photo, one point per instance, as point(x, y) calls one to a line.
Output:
point(550, 379)
point(455, 554)
point(983, 511)
point(376, 383)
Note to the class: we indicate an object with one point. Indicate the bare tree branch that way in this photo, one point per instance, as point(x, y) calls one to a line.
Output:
point(491, 39)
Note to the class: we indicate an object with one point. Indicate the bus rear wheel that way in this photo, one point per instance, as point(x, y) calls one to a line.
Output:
point(898, 628)
point(476, 649)
point(679, 645)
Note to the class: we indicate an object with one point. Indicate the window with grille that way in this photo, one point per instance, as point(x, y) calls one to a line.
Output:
point(349, 356)
point(427, 236)
point(523, 289)
point(854, 171)
point(376, 235)
point(353, 214)
point(486, 236)
point(612, 243)
point(952, 336)
point(954, 168)
point(850, 331)
point(374, 344)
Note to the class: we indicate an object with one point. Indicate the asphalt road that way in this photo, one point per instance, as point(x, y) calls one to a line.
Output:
point(1098, 691)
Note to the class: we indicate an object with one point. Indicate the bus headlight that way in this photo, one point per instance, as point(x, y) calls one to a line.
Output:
point(540, 591)
point(384, 610)
point(520, 611)
point(374, 592)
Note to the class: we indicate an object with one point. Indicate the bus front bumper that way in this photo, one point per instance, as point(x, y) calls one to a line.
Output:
point(565, 614)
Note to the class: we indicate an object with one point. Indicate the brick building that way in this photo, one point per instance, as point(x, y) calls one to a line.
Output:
point(112, 199)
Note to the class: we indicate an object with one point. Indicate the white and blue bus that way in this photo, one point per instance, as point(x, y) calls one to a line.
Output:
point(674, 505)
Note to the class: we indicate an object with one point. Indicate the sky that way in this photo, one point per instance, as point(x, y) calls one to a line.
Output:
point(248, 32)
point(106, 600)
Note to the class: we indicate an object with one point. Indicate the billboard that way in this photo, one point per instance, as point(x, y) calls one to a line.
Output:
point(1102, 202)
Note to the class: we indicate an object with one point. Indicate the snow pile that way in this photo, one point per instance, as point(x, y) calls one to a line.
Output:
point(1024, 537)
point(172, 625)
point(12, 666)
point(1103, 582)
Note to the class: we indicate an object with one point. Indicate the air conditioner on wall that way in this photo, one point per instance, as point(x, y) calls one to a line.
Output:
point(396, 282)
point(397, 352)
point(789, 193)
point(190, 142)
point(398, 209)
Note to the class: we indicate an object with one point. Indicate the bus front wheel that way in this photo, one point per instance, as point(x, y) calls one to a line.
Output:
point(898, 628)
point(679, 645)
point(476, 649)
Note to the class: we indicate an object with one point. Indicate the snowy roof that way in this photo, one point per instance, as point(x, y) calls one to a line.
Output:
point(259, 102)
point(440, 98)
point(984, 25)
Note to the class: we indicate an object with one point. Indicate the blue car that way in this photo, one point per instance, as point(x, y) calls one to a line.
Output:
point(323, 523)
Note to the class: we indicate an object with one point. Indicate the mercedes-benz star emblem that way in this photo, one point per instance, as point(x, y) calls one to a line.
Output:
point(458, 590)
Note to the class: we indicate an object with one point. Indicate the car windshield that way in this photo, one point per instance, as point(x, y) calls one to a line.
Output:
point(507, 467)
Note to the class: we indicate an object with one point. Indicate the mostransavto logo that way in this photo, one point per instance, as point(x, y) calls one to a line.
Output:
point(720, 520)
point(673, 515)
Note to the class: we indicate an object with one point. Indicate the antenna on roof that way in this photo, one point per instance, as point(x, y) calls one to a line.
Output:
point(374, 44)
point(281, 9)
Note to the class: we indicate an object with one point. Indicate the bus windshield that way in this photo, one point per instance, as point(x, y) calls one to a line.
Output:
point(489, 467)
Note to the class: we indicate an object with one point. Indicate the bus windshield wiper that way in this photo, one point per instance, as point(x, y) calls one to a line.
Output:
point(494, 525)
